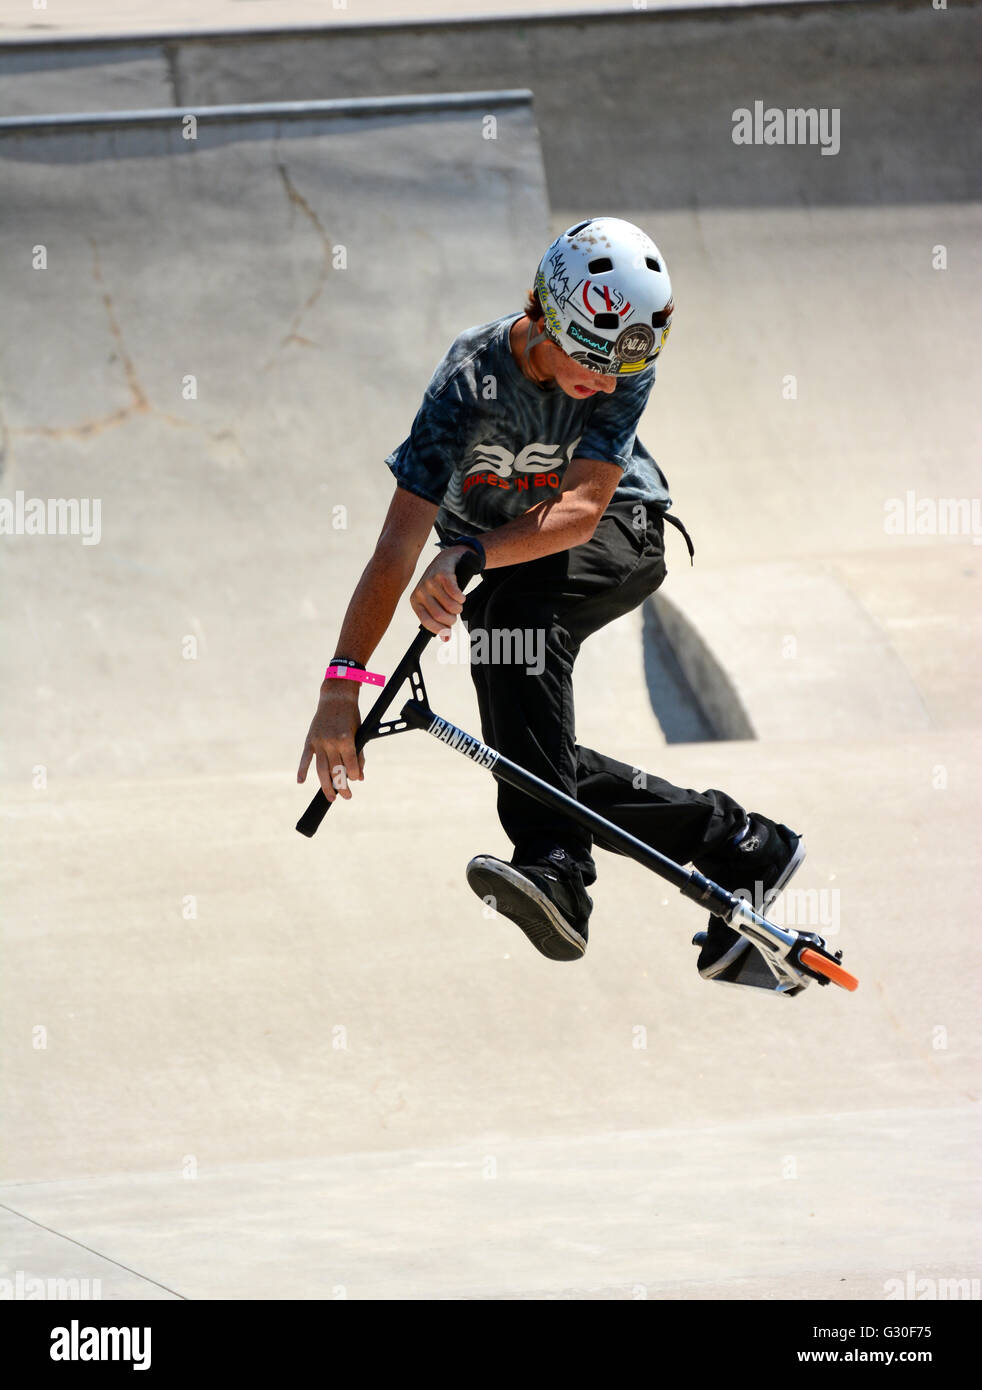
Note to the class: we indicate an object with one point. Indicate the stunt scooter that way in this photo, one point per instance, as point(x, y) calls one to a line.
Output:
point(793, 958)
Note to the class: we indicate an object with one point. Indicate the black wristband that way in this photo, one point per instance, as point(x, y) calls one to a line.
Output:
point(346, 661)
point(474, 545)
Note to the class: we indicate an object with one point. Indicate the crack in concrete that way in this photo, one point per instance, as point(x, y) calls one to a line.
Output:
point(292, 334)
point(140, 401)
point(139, 404)
point(89, 427)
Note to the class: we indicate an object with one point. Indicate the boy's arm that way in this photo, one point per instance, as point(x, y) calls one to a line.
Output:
point(331, 737)
point(567, 520)
point(403, 535)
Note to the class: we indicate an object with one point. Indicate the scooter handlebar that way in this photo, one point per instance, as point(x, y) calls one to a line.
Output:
point(464, 571)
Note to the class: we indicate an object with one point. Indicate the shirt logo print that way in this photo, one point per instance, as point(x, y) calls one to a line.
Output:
point(534, 458)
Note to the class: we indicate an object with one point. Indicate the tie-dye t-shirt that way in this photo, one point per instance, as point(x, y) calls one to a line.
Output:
point(487, 443)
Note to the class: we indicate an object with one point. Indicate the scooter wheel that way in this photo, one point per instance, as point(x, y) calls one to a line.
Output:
point(829, 968)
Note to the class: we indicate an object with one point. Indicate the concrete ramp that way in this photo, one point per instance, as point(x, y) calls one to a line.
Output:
point(238, 1063)
point(216, 341)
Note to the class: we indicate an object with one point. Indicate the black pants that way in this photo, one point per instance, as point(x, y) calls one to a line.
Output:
point(527, 714)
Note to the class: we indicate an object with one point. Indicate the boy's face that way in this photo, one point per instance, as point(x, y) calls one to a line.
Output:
point(571, 377)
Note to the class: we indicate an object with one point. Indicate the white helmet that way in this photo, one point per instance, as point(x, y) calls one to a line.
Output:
point(606, 296)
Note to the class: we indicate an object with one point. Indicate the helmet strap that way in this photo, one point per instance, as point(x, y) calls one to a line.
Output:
point(530, 343)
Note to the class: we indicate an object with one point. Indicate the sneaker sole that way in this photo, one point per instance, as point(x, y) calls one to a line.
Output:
point(739, 948)
point(524, 903)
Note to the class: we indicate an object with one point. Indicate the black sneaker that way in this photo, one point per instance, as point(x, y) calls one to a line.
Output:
point(758, 863)
point(545, 898)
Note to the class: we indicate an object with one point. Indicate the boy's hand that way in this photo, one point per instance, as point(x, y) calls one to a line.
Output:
point(331, 740)
point(437, 598)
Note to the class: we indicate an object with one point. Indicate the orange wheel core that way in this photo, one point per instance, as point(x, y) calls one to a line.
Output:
point(829, 968)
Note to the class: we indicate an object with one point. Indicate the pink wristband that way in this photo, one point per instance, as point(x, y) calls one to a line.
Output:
point(351, 673)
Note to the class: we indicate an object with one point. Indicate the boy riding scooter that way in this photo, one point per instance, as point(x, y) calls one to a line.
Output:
point(525, 453)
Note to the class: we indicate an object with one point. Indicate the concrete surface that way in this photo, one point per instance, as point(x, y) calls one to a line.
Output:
point(244, 1064)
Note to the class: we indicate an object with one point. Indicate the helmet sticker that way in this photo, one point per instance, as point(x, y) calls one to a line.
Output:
point(635, 343)
point(553, 322)
point(596, 364)
point(558, 282)
point(613, 301)
point(588, 339)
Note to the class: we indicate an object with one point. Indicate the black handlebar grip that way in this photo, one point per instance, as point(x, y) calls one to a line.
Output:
point(464, 571)
point(314, 814)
